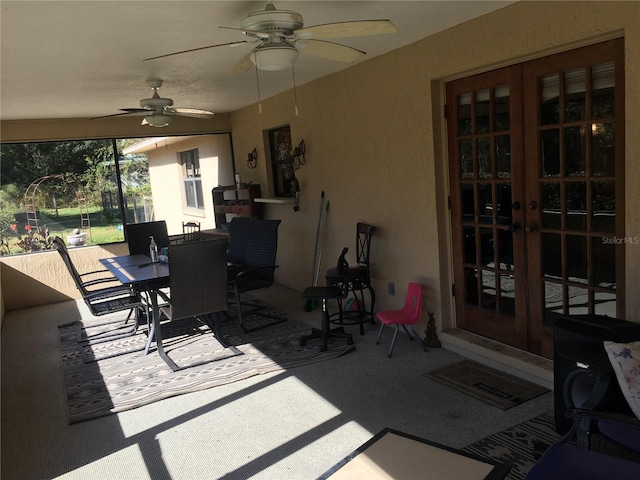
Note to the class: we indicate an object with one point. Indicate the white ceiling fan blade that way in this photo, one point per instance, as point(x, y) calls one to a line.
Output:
point(190, 112)
point(230, 44)
point(330, 50)
point(357, 28)
point(243, 65)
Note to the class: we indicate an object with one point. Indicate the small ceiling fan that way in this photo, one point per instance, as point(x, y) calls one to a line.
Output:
point(157, 111)
point(281, 36)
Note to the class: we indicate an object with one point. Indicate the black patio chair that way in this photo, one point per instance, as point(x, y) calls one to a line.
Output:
point(137, 235)
point(239, 229)
point(198, 289)
point(104, 300)
point(256, 270)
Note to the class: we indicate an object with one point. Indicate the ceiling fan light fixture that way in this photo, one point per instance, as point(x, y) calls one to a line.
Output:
point(158, 119)
point(274, 57)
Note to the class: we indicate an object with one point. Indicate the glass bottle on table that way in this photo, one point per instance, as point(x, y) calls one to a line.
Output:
point(153, 250)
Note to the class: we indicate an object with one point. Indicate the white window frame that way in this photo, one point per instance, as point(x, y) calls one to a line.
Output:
point(190, 161)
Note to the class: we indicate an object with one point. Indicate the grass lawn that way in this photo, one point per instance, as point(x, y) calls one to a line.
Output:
point(105, 227)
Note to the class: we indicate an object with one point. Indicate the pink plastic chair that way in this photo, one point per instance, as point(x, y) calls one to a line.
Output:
point(407, 317)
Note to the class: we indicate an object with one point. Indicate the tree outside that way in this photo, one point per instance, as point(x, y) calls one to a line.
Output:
point(81, 193)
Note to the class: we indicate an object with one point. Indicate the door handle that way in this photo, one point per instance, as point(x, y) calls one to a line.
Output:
point(531, 228)
point(513, 227)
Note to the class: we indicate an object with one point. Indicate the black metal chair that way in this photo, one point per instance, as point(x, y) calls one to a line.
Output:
point(137, 235)
point(256, 271)
point(337, 291)
point(239, 230)
point(103, 300)
point(600, 445)
point(359, 281)
point(198, 288)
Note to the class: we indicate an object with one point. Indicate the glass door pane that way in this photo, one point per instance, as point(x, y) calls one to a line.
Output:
point(483, 188)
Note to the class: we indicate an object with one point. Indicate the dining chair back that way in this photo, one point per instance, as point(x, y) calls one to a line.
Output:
point(406, 317)
point(256, 270)
point(137, 236)
point(363, 243)
point(100, 301)
point(198, 289)
point(198, 280)
point(239, 230)
point(262, 247)
point(61, 248)
point(190, 231)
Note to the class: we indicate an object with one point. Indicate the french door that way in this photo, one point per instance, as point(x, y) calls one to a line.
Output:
point(536, 155)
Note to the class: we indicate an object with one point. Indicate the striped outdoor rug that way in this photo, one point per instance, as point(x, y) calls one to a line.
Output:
point(516, 445)
point(131, 379)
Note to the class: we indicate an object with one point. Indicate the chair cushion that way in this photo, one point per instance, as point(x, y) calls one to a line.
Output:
point(625, 360)
point(563, 462)
point(626, 435)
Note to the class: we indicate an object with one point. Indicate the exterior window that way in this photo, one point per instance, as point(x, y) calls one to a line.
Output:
point(192, 180)
point(80, 190)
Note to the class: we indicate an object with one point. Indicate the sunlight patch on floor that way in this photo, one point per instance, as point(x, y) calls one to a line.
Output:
point(251, 446)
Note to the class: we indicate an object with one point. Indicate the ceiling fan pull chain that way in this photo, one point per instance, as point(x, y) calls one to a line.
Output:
point(259, 102)
point(295, 93)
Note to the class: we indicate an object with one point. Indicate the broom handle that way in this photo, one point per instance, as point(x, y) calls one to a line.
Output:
point(324, 231)
point(315, 248)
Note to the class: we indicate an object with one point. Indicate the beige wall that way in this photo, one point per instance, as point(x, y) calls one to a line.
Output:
point(375, 142)
point(167, 179)
point(374, 136)
point(41, 278)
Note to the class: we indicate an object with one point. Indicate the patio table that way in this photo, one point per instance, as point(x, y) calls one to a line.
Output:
point(143, 275)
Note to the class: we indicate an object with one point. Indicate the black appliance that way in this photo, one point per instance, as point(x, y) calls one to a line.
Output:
point(578, 343)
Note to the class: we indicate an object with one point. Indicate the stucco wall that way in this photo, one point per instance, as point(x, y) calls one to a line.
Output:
point(41, 278)
point(375, 141)
point(167, 183)
point(375, 144)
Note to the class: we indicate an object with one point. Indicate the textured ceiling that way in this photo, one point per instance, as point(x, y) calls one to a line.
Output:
point(80, 59)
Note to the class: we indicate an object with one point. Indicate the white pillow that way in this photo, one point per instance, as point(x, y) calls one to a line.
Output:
point(625, 360)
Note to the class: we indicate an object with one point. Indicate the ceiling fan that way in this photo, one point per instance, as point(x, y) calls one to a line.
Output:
point(281, 36)
point(157, 111)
